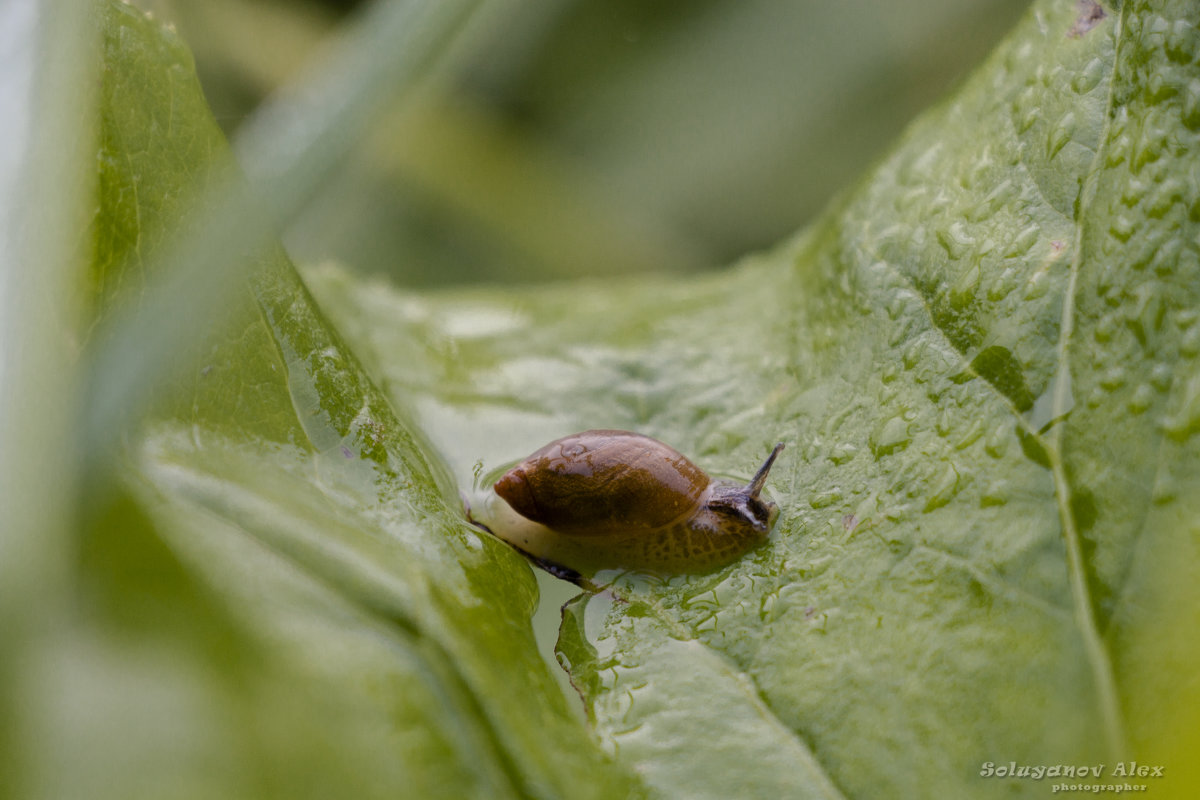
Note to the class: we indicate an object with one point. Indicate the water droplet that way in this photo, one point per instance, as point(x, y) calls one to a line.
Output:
point(1105, 328)
point(1001, 286)
point(1189, 343)
point(1137, 254)
point(995, 493)
point(890, 437)
point(1146, 314)
point(912, 354)
point(962, 292)
point(843, 452)
point(1133, 192)
point(1165, 491)
point(1166, 195)
point(1060, 134)
point(1181, 42)
point(955, 240)
point(826, 498)
point(1143, 397)
point(944, 423)
point(997, 442)
point(1118, 148)
point(999, 197)
point(1185, 419)
point(1166, 259)
point(1023, 241)
point(1039, 282)
point(1113, 378)
point(943, 488)
point(897, 513)
point(1026, 122)
point(1156, 30)
point(1119, 141)
point(897, 305)
point(1160, 376)
point(1122, 227)
point(970, 436)
point(1159, 88)
point(1191, 105)
point(1088, 78)
point(901, 333)
point(910, 199)
point(1154, 142)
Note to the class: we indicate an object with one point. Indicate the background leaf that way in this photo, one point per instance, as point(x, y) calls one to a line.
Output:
point(601, 137)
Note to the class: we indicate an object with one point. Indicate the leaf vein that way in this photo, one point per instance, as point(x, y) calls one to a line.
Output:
point(1097, 654)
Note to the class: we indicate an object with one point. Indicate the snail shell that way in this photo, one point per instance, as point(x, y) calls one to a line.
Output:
point(608, 498)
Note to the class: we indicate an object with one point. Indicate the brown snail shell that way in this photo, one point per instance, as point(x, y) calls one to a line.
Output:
point(614, 499)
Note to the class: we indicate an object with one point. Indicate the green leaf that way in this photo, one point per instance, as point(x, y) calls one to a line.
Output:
point(280, 595)
point(984, 362)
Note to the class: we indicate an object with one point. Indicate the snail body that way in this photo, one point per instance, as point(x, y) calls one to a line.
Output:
point(609, 498)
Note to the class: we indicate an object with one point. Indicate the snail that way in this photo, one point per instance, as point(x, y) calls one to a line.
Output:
point(614, 499)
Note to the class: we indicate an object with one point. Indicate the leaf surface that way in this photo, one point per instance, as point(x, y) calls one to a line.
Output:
point(983, 361)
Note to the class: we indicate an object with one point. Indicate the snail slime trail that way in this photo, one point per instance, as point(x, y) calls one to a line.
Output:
point(605, 499)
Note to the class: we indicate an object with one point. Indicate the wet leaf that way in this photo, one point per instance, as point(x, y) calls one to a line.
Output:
point(984, 362)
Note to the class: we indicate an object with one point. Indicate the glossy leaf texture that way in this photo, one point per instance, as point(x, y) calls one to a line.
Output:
point(984, 362)
point(275, 591)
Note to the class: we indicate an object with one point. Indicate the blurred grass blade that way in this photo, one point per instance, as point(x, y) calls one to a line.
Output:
point(45, 50)
point(287, 150)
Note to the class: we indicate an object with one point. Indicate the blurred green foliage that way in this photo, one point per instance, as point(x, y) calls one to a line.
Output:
point(569, 138)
